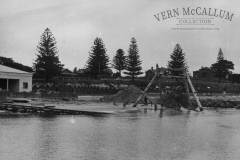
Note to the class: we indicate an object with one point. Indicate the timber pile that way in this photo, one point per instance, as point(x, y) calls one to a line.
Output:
point(3, 100)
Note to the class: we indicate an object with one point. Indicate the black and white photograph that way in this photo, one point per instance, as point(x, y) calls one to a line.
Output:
point(119, 80)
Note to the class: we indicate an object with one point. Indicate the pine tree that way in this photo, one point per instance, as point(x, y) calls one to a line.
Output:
point(221, 67)
point(177, 60)
point(98, 60)
point(220, 55)
point(133, 62)
point(119, 61)
point(47, 61)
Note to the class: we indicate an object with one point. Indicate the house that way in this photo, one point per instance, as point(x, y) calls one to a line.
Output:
point(15, 80)
point(81, 72)
point(204, 72)
point(151, 72)
point(234, 78)
point(67, 73)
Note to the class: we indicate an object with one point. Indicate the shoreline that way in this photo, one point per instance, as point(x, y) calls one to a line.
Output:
point(92, 101)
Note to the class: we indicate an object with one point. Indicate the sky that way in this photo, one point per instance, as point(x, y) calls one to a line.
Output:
point(75, 25)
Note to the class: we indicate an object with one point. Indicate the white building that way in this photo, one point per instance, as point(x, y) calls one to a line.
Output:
point(15, 80)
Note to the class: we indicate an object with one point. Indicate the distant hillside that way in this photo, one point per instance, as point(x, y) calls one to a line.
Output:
point(10, 63)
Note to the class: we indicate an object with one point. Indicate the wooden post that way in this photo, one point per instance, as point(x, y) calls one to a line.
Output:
point(144, 92)
point(186, 84)
point(160, 89)
point(7, 84)
point(159, 84)
point(194, 93)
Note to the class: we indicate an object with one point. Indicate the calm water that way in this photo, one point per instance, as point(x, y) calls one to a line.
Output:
point(143, 135)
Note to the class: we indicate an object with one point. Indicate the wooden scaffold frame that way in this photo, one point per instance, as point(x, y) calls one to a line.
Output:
point(159, 74)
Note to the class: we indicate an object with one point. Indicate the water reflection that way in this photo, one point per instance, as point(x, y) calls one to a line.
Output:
point(47, 139)
point(161, 134)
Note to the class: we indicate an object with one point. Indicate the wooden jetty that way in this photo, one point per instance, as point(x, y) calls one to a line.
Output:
point(20, 100)
point(26, 108)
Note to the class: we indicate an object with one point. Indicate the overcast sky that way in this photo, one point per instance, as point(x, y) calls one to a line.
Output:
point(76, 23)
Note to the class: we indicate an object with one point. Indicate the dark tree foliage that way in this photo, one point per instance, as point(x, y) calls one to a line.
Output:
point(47, 62)
point(119, 61)
point(117, 74)
point(133, 62)
point(10, 63)
point(221, 67)
point(177, 60)
point(220, 55)
point(75, 70)
point(97, 64)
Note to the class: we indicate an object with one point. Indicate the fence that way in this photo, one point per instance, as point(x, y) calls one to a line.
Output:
point(38, 95)
point(217, 94)
point(78, 89)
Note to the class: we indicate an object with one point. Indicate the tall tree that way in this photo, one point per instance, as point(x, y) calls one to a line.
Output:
point(98, 60)
point(220, 55)
point(47, 61)
point(119, 61)
point(177, 60)
point(221, 67)
point(133, 62)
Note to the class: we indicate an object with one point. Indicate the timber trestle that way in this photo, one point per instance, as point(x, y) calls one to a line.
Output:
point(184, 76)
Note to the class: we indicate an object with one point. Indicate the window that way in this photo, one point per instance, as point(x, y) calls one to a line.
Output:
point(25, 85)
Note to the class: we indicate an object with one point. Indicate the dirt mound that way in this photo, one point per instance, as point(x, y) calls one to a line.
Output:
point(126, 96)
point(174, 100)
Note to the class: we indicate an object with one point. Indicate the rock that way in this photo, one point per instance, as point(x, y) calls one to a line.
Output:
point(237, 107)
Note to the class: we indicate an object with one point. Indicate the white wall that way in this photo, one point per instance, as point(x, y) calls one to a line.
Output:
point(23, 77)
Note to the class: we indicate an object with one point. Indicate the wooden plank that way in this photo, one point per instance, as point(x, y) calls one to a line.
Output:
point(194, 94)
point(179, 77)
point(159, 86)
point(144, 92)
point(50, 110)
point(175, 69)
point(171, 69)
point(186, 84)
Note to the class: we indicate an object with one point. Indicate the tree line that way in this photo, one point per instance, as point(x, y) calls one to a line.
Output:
point(98, 64)
point(11, 63)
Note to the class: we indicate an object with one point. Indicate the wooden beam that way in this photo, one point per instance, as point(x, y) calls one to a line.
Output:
point(144, 92)
point(175, 69)
point(180, 77)
point(171, 69)
point(194, 94)
point(186, 84)
point(160, 88)
point(159, 84)
point(7, 84)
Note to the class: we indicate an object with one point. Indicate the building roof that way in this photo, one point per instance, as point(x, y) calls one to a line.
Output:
point(11, 70)
point(66, 71)
point(81, 71)
point(162, 69)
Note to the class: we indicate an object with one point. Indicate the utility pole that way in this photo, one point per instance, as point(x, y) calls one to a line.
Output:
point(99, 71)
